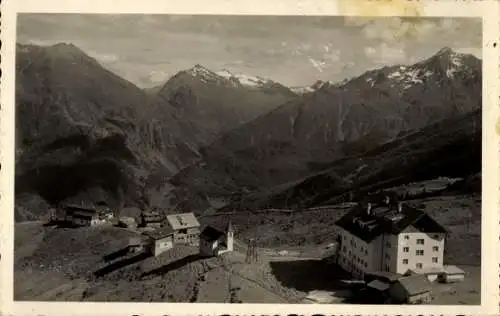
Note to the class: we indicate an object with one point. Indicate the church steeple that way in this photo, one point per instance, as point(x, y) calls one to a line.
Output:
point(229, 227)
point(229, 236)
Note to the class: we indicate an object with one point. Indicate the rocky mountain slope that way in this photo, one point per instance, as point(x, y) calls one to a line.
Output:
point(216, 102)
point(337, 120)
point(450, 148)
point(81, 128)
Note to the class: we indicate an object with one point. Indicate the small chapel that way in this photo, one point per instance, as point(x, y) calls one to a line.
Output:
point(215, 241)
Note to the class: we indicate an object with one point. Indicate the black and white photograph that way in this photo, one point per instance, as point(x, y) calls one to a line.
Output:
point(277, 159)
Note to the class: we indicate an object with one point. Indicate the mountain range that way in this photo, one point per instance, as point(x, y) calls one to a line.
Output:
point(82, 132)
point(306, 134)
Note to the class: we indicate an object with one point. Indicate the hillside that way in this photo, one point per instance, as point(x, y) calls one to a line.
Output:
point(81, 128)
point(451, 148)
point(218, 102)
point(304, 135)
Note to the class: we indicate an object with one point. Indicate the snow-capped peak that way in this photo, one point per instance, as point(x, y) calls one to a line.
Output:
point(199, 70)
point(244, 80)
point(314, 87)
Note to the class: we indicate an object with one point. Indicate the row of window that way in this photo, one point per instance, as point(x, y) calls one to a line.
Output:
point(363, 263)
point(420, 241)
point(344, 249)
point(434, 260)
point(420, 252)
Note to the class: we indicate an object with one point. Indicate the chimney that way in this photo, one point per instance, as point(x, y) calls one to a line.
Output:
point(369, 209)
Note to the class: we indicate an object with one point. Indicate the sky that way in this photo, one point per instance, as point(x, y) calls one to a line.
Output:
point(292, 50)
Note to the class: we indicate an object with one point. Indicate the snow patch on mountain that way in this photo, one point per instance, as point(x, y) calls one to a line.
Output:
point(244, 80)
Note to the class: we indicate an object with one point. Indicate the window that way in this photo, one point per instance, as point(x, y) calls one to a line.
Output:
point(419, 252)
point(387, 268)
point(344, 237)
point(183, 231)
point(344, 249)
point(420, 241)
point(407, 237)
point(405, 261)
point(419, 266)
point(366, 265)
point(406, 249)
point(388, 244)
point(366, 252)
point(434, 259)
point(436, 236)
point(387, 257)
point(435, 248)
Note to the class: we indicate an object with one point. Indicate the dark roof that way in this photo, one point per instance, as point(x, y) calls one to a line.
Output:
point(386, 219)
point(84, 216)
point(384, 276)
point(415, 284)
point(211, 233)
point(160, 233)
point(378, 285)
point(152, 217)
point(89, 208)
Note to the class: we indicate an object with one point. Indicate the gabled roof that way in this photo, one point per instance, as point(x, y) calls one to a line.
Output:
point(415, 284)
point(387, 277)
point(182, 220)
point(152, 218)
point(82, 207)
point(378, 285)
point(386, 219)
point(211, 233)
point(160, 233)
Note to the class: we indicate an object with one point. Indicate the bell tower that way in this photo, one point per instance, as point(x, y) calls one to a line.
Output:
point(229, 236)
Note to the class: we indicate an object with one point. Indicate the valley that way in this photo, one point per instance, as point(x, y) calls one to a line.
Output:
point(282, 163)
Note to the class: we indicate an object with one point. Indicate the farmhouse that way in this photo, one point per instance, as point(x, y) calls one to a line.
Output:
point(214, 241)
point(186, 228)
point(384, 235)
point(159, 241)
point(86, 215)
point(136, 244)
point(413, 289)
point(151, 219)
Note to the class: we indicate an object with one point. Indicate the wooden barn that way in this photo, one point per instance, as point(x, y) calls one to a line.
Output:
point(159, 240)
point(413, 289)
point(186, 228)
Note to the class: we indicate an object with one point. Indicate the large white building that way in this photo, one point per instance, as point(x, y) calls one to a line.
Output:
point(389, 236)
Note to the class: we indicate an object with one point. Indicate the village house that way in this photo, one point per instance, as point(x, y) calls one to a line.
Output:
point(136, 244)
point(186, 228)
point(384, 235)
point(86, 215)
point(214, 241)
point(412, 289)
point(151, 219)
point(159, 241)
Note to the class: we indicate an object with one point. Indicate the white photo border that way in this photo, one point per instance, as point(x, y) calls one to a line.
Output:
point(488, 10)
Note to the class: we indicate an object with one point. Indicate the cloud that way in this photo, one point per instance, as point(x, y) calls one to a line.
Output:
point(319, 65)
point(384, 54)
point(103, 58)
point(158, 76)
point(398, 29)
